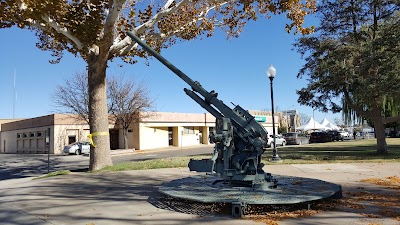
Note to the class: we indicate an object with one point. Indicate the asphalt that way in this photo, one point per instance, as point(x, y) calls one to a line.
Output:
point(132, 197)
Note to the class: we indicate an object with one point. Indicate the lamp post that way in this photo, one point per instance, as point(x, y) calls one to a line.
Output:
point(271, 71)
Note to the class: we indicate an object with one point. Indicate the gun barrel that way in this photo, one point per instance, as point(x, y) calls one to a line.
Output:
point(170, 66)
point(244, 122)
point(202, 103)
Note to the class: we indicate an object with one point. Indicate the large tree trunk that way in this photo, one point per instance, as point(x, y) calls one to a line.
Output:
point(379, 128)
point(98, 114)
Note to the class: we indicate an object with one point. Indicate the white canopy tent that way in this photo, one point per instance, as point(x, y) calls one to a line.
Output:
point(325, 122)
point(311, 124)
point(328, 125)
point(331, 126)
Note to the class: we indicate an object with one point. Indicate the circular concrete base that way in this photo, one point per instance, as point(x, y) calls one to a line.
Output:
point(212, 189)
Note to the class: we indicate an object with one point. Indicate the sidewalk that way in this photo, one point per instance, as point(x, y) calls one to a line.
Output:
point(131, 197)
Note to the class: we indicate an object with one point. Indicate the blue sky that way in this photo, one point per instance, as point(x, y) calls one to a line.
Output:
point(234, 68)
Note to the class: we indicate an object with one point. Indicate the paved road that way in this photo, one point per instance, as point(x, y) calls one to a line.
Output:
point(28, 165)
point(13, 166)
point(132, 197)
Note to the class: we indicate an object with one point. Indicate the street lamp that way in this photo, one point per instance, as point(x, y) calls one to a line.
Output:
point(271, 71)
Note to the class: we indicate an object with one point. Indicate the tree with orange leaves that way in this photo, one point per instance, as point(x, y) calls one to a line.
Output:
point(95, 31)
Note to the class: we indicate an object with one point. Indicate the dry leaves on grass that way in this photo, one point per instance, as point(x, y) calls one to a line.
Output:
point(384, 201)
point(392, 182)
point(353, 200)
point(378, 199)
point(271, 218)
point(390, 213)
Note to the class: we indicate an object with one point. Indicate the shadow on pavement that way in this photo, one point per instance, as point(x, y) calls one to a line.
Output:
point(162, 201)
point(38, 165)
point(111, 198)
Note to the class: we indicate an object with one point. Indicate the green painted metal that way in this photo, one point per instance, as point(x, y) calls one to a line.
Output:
point(289, 190)
point(235, 173)
point(239, 139)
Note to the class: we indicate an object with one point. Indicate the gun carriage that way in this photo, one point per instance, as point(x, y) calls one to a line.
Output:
point(235, 167)
point(239, 139)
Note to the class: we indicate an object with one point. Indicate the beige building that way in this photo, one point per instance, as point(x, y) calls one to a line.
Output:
point(1, 122)
point(162, 129)
point(41, 134)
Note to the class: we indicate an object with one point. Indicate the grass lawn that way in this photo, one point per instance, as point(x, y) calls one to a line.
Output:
point(346, 151)
point(363, 150)
point(53, 174)
point(174, 162)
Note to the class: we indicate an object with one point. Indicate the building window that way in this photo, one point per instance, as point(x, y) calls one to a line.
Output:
point(39, 133)
point(19, 135)
point(25, 135)
point(32, 134)
point(71, 139)
point(188, 130)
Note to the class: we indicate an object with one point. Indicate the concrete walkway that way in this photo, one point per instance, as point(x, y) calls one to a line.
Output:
point(131, 197)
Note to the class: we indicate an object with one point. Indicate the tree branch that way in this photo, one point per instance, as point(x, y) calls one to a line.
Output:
point(355, 107)
point(62, 31)
point(126, 45)
point(168, 4)
point(112, 18)
point(51, 23)
point(140, 29)
point(391, 119)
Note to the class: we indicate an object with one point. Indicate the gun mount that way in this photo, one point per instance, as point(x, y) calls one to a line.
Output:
point(239, 143)
point(239, 139)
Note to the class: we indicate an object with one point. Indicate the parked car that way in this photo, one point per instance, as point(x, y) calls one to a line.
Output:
point(280, 141)
point(319, 137)
point(295, 138)
point(344, 133)
point(335, 135)
point(77, 148)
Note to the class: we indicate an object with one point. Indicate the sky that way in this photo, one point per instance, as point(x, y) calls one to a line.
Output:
point(234, 68)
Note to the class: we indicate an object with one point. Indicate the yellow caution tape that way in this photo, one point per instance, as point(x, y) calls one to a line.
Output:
point(90, 136)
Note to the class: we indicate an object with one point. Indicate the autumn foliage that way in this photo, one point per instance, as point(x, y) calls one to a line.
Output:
point(79, 26)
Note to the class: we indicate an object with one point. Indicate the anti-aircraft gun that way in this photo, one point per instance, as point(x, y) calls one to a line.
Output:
point(239, 139)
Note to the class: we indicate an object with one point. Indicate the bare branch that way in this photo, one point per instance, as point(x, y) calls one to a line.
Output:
point(131, 100)
point(72, 97)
